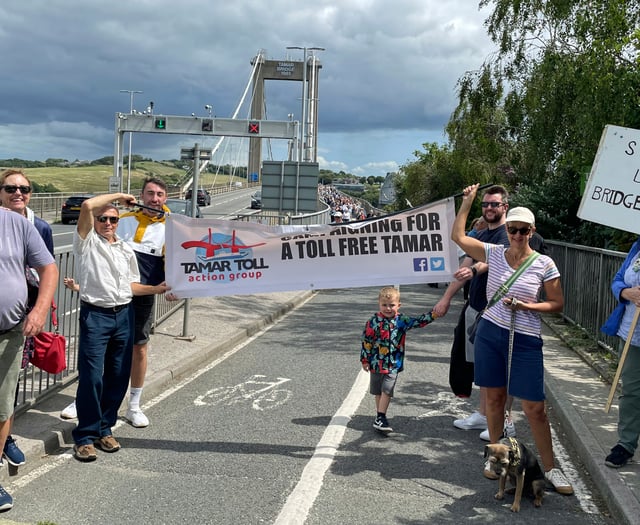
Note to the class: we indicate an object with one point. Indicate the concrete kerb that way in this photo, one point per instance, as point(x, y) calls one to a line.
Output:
point(48, 434)
point(620, 498)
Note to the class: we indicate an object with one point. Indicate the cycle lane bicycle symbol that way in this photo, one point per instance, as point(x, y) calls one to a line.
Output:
point(263, 394)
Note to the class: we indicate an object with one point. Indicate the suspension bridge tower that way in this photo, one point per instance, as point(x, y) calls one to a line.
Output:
point(305, 147)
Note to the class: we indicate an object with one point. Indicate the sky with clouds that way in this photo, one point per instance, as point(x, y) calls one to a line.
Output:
point(387, 83)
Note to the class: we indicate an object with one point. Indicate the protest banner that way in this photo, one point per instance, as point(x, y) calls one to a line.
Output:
point(612, 194)
point(212, 257)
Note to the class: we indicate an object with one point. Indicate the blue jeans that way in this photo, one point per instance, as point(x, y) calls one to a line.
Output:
point(104, 367)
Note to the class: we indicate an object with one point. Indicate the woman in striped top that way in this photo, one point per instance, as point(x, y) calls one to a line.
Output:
point(519, 370)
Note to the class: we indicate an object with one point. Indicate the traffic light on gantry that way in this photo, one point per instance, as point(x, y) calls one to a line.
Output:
point(207, 124)
point(160, 123)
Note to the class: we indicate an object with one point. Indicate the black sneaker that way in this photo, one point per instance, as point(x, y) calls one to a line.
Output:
point(618, 458)
point(382, 425)
point(6, 501)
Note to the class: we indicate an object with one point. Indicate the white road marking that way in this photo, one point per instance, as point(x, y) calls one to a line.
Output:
point(582, 494)
point(296, 509)
point(54, 462)
point(263, 394)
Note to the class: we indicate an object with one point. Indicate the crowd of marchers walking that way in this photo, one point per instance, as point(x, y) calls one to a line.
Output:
point(343, 207)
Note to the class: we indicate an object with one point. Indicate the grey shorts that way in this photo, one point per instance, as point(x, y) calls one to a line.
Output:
point(379, 383)
point(11, 344)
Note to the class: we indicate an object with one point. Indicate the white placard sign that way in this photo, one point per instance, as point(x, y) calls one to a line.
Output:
point(612, 195)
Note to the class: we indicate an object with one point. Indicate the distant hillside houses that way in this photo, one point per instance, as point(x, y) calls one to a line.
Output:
point(354, 188)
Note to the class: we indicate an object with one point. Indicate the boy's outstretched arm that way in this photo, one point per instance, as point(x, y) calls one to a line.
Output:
point(421, 321)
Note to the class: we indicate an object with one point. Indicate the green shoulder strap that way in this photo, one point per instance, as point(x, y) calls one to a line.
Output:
point(504, 288)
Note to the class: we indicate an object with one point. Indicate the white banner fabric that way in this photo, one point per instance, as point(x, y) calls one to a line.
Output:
point(212, 257)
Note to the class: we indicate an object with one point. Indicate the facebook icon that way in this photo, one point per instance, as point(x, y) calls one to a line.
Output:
point(420, 264)
point(433, 264)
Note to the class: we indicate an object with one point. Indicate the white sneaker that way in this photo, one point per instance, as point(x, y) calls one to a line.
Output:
point(69, 412)
point(559, 482)
point(508, 431)
point(475, 421)
point(137, 418)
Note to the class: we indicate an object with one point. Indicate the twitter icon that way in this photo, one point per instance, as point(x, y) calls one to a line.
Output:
point(437, 264)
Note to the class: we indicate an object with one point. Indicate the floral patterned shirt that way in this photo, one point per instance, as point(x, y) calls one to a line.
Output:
point(383, 341)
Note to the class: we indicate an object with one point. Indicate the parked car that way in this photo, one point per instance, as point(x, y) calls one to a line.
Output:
point(204, 198)
point(256, 200)
point(182, 207)
point(71, 208)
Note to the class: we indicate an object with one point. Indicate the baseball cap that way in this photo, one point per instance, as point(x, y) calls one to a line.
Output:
point(521, 214)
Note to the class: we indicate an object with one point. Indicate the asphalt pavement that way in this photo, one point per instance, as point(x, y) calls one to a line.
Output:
point(576, 392)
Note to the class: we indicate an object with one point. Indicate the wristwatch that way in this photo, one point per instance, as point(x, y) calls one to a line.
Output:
point(474, 271)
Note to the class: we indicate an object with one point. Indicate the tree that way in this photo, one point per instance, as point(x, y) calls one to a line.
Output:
point(432, 176)
point(531, 117)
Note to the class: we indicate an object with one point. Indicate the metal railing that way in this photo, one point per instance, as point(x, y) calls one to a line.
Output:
point(49, 205)
point(274, 218)
point(36, 384)
point(586, 275)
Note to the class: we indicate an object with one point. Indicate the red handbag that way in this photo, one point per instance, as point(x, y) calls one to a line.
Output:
point(49, 348)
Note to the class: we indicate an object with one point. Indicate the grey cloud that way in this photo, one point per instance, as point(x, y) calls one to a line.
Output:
point(387, 66)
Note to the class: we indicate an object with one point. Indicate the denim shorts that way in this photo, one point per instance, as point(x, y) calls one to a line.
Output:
point(379, 383)
point(492, 357)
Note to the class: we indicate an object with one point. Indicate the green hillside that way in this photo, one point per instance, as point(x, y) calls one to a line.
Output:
point(95, 178)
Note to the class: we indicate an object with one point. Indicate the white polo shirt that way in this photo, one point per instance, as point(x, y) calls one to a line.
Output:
point(105, 270)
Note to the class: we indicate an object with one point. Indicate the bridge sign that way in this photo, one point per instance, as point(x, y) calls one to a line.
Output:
point(229, 127)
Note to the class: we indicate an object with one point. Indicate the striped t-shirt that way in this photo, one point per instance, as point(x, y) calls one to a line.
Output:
point(526, 288)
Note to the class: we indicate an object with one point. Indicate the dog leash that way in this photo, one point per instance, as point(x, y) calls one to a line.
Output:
point(512, 333)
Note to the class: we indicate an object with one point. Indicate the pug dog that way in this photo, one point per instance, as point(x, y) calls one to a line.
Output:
point(511, 459)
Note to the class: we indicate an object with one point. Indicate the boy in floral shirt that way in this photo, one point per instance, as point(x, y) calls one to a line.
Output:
point(382, 353)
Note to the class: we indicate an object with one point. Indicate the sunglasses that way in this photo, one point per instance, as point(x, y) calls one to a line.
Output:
point(104, 218)
point(522, 231)
point(12, 189)
point(491, 204)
